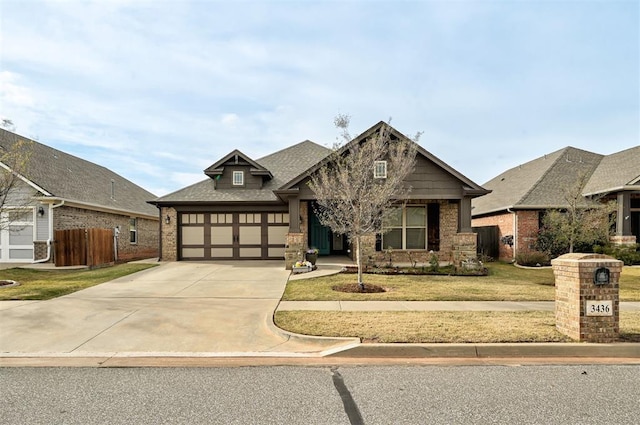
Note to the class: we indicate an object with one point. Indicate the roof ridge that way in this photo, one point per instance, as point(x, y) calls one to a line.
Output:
point(290, 148)
point(542, 175)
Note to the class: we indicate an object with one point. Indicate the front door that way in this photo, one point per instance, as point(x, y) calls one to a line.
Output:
point(319, 236)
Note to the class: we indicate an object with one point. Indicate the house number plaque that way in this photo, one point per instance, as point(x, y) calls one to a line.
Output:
point(599, 308)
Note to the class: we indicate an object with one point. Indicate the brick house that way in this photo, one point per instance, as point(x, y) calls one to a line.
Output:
point(58, 191)
point(263, 209)
point(520, 196)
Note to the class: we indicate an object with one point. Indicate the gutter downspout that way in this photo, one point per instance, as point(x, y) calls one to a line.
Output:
point(515, 234)
point(50, 239)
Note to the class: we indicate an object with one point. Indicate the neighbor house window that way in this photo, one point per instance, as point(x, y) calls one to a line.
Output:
point(380, 170)
point(238, 178)
point(133, 230)
point(406, 228)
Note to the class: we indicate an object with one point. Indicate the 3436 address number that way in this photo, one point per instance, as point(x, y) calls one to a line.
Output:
point(599, 308)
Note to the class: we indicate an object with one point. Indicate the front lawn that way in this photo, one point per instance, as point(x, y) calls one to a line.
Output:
point(505, 282)
point(47, 284)
point(440, 326)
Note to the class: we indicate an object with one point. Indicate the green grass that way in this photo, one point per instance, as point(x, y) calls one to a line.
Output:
point(505, 282)
point(439, 327)
point(47, 284)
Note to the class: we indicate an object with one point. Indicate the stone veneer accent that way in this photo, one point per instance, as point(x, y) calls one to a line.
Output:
point(574, 275)
point(169, 234)
point(40, 251)
point(294, 249)
point(623, 240)
point(465, 246)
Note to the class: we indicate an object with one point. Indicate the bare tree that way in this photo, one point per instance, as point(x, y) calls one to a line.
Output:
point(584, 222)
point(360, 181)
point(15, 153)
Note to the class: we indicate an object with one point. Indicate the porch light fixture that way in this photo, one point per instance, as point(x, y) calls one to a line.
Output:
point(167, 220)
point(40, 211)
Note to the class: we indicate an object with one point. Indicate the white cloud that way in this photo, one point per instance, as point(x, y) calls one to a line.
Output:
point(174, 86)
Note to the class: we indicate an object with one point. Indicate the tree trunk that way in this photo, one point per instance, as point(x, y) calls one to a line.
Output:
point(359, 263)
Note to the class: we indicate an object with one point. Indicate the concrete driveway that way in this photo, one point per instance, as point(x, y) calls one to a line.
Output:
point(182, 308)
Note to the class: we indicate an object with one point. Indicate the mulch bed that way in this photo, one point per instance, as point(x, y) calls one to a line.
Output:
point(354, 287)
point(8, 283)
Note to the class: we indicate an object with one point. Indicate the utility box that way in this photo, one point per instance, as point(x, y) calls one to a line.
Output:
point(587, 296)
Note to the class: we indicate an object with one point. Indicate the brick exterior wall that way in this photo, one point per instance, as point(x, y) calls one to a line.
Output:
point(67, 217)
point(448, 241)
point(574, 274)
point(505, 227)
point(169, 237)
point(527, 231)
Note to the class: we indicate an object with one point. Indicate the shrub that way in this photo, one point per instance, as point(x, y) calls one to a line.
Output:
point(629, 255)
point(533, 259)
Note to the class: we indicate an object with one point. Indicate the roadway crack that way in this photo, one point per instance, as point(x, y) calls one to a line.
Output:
point(350, 406)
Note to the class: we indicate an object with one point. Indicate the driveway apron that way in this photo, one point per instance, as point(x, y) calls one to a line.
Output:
point(209, 308)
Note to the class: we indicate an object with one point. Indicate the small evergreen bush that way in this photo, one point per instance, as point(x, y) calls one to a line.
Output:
point(533, 259)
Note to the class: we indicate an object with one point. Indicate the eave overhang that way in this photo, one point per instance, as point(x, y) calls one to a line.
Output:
point(95, 207)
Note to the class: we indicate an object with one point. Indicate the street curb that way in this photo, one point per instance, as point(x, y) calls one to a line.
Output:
point(340, 343)
point(493, 350)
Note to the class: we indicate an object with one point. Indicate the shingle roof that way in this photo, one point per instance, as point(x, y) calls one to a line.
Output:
point(74, 179)
point(615, 170)
point(468, 185)
point(540, 183)
point(283, 165)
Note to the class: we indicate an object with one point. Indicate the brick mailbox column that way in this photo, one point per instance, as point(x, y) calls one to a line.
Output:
point(587, 299)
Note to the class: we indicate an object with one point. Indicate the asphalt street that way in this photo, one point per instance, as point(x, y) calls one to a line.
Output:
point(577, 394)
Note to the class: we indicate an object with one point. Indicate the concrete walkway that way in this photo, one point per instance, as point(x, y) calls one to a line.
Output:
point(213, 309)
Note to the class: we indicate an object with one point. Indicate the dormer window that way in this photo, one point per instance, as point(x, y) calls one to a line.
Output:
point(380, 170)
point(238, 178)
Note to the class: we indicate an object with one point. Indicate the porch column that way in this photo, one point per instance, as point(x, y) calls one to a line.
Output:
point(623, 220)
point(623, 234)
point(464, 215)
point(294, 214)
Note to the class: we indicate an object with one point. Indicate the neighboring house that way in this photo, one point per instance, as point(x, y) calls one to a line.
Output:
point(520, 196)
point(58, 191)
point(263, 209)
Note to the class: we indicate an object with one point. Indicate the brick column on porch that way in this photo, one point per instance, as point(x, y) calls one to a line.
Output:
point(464, 247)
point(294, 249)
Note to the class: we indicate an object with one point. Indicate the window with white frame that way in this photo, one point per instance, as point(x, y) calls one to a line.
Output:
point(238, 178)
point(380, 170)
point(406, 228)
point(133, 230)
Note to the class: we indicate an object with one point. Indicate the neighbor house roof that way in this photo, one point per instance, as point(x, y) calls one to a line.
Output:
point(543, 182)
point(78, 181)
point(615, 172)
point(283, 166)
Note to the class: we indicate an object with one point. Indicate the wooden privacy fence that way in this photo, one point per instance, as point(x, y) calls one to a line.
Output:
point(488, 243)
point(84, 247)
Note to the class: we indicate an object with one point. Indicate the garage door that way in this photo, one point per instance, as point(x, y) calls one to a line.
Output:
point(217, 236)
point(16, 235)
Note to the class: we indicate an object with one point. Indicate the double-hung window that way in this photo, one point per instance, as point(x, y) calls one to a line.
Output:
point(133, 230)
point(238, 178)
point(406, 228)
point(380, 170)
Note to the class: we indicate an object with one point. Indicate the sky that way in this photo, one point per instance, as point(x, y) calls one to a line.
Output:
point(157, 91)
